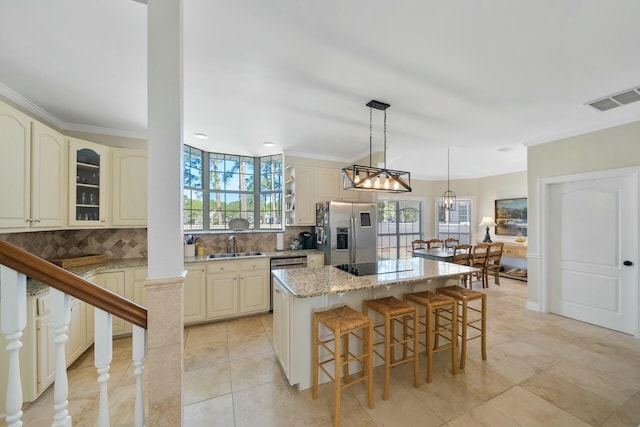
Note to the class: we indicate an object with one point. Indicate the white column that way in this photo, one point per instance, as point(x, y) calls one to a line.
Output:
point(13, 309)
point(165, 252)
point(60, 318)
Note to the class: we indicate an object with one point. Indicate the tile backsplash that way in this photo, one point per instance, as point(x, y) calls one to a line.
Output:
point(132, 242)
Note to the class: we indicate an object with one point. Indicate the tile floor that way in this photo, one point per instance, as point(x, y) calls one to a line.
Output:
point(542, 370)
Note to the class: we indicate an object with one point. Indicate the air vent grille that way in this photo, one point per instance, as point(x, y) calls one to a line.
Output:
point(617, 100)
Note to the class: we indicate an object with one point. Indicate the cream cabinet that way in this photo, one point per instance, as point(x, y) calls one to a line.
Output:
point(32, 173)
point(254, 285)
point(281, 314)
point(195, 286)
point(129, 187)
point(237, 287)
point(77, 335)
point(330, 187)
point(46, 355)
point(115, 282)
point(300, 195)
point(315, 260)
point(222, 289)
point(88, 180)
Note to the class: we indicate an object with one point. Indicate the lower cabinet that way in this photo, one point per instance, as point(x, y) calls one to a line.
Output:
point(237, 287)
point(46, 355)
point(115, 282)
point(195, 294)
point(315, 260)
point(281, 313)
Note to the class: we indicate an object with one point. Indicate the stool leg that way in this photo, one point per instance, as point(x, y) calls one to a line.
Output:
point(416, 367)
point(436, 319)
point(429, 343)
point(369, 345)
point(454, 335)
point(463, 353)
point(314, 340)
point(387, 356)
point(345, 345)
point(484, 328)
point(337, 383)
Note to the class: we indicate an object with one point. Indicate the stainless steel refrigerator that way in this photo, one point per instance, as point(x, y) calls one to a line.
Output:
point(347, 232)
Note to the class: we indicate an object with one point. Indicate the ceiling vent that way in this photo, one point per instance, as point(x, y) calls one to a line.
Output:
point(617, 100)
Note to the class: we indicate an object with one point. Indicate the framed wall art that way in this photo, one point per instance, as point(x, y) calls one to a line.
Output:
point(511, 217)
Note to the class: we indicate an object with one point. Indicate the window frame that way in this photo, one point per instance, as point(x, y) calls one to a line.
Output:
point(256, 193)
point(400, 236)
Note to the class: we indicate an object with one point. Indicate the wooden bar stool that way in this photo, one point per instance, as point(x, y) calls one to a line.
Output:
point(437, 307)
point(393, 310)
point(463, 296)
point(342, 322)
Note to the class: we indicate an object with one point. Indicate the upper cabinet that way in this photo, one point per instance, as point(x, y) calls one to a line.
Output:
point(32, 173)
point(88, 173)
point(129, 188)
point(330, 186)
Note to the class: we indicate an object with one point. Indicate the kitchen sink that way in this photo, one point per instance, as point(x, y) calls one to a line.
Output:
point(235, 255)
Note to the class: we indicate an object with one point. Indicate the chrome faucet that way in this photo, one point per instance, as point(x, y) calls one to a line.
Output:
point(235, 245)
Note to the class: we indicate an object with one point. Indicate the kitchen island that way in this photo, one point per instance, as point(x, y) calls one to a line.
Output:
point(297, 293)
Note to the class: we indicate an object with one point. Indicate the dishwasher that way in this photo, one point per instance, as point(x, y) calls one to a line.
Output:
point(289, 261)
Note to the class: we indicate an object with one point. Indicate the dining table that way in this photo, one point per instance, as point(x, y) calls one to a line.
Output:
point(436, 254)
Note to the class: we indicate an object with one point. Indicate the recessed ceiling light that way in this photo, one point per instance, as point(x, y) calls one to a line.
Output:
point(268, 144)
point(201, 136)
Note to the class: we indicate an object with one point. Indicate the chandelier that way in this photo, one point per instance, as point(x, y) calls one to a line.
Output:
point(370, 178)
point(448, 197)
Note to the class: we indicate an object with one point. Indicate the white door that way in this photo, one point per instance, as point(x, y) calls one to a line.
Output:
point(592, 221)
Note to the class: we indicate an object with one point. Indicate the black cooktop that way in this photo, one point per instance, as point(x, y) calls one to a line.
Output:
point(372, 268)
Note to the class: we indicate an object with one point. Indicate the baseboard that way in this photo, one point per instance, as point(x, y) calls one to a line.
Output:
point(533, 306)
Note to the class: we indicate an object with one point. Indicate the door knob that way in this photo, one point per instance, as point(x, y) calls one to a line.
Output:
point(628, 263)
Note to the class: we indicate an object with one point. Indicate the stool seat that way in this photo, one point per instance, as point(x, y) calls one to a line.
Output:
point(424, 298)
point(390, 305)
point(459, 292)
point(343, 319)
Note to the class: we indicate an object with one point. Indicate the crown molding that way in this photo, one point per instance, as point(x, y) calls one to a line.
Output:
point(42, 114)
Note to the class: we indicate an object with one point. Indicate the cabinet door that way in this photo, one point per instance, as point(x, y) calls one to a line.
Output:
point(328, 184)
point(129, 187)
point(88, 178)
point(115, 282)
point(77, 331)
point(138, 277)
point(315, 260)
point(46, 353)
point(254, 292)
point(195, 294)
point(15, 140)
point(48, 177)
point(305, 196)
point(222, 295)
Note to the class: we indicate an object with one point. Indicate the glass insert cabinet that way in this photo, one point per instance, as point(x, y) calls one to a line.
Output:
point(87, 192)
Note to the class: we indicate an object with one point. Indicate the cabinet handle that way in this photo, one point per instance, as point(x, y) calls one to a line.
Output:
point(103, 220)
point(37, 220)
point(276, 290)
point(29, 220)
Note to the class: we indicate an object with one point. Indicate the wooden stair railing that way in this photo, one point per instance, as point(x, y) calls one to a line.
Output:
point(15, 265)
point(56, 277)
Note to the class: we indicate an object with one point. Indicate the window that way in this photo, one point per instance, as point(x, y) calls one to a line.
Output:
point(233, 187)
point(399, 223)
point(456, 223)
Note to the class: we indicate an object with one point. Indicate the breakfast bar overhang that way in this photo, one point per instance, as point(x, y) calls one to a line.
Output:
point(299, 292)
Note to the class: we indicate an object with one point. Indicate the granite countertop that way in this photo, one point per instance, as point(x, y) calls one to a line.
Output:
point(35, 287)
point(311, 282)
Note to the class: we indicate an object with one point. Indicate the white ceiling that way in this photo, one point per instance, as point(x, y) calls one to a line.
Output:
point(475, 76)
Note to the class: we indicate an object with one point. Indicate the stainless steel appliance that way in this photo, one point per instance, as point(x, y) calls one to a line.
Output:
point(307, 240)
point(293, 261)
point(347, 232)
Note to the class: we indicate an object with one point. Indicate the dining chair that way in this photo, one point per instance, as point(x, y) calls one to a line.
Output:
point(479, 260)
point(435, 243)
point(451, 242)
point(418, 244)
point(462, 256)
point(493, 262)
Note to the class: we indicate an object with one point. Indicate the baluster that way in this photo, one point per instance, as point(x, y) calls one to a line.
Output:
point(139, 352)
point(60, 318)
point(13, 308)
point(103, 349)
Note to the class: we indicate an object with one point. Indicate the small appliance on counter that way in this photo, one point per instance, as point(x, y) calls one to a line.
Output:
point(307, 240)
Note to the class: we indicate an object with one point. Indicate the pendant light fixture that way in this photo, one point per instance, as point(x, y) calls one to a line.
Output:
point(370, 178)
point(448, 197)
